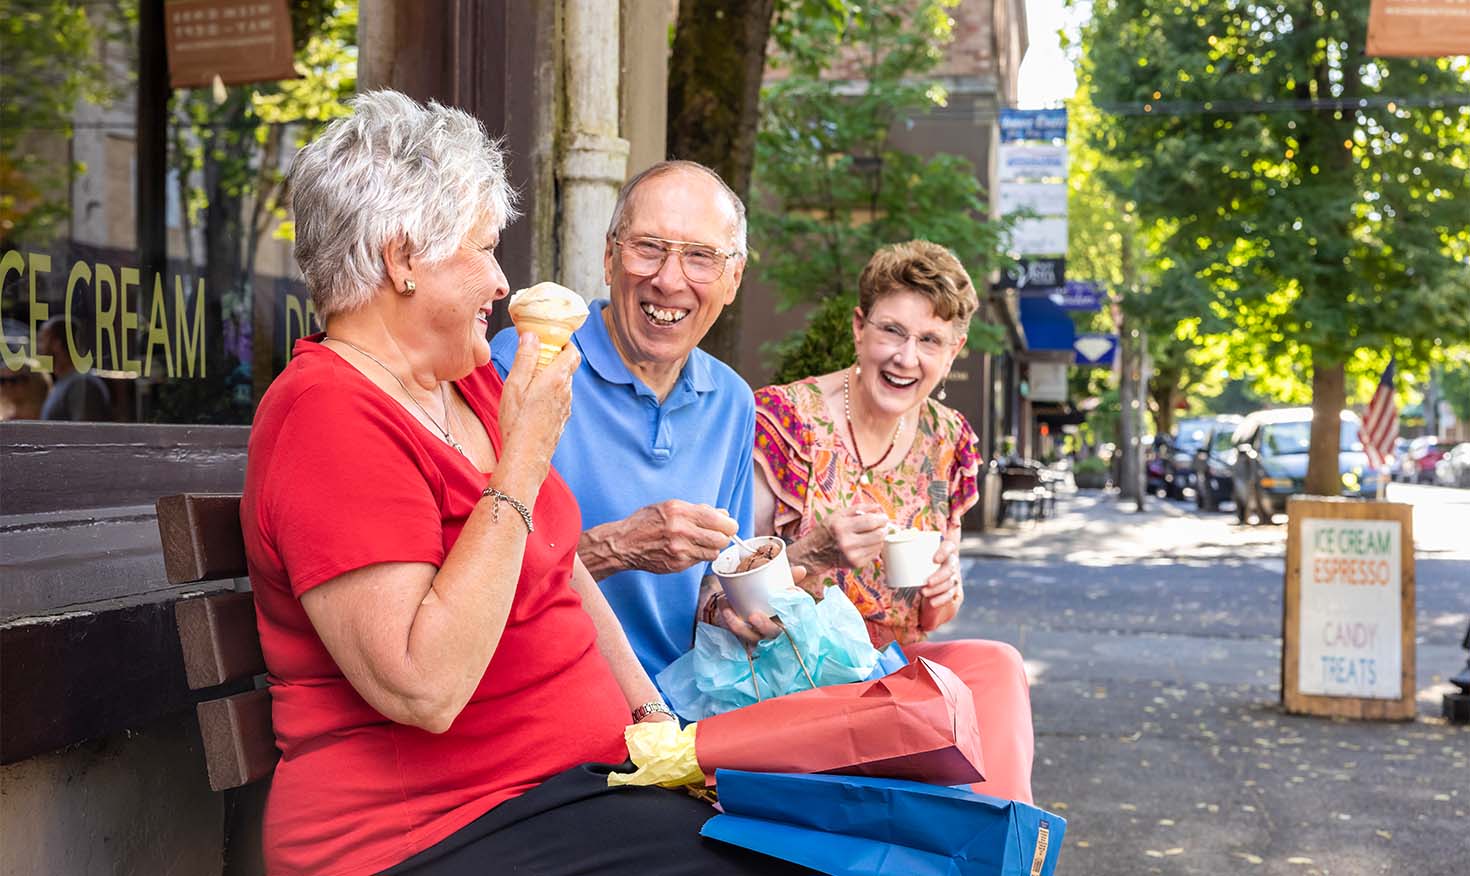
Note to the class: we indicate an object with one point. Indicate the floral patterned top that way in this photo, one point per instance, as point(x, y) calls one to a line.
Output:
point(813, 474)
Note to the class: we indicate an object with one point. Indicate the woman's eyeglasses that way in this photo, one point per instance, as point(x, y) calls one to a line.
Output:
point(645, 256)
point(893, 336)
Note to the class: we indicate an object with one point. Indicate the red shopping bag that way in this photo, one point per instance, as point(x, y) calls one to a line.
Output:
point(917, 723)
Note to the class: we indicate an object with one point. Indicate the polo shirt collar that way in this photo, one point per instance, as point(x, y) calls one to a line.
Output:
point(598, 351)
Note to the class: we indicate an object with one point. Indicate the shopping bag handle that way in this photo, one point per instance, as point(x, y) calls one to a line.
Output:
point(750, 661)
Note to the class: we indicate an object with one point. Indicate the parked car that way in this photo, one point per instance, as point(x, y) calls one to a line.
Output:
point(1271, 461)
point(1418, 463)
point(1213, 462)
point(1453, 468)
point(1155, 461)
point(1189, 436)
point(1396, 466)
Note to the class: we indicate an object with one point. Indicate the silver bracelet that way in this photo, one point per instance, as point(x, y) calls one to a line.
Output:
point(513, 502)
point(647, 709)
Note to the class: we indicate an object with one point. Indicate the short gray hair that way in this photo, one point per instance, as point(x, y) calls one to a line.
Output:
point(664, 168)
point(393, 170)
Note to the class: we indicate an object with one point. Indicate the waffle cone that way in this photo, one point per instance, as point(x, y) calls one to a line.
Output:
point(553, 335)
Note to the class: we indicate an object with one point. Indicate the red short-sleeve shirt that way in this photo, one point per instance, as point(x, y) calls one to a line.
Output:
point(340, 477)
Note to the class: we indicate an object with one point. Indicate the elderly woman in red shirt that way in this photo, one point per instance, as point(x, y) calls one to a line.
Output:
point(445, 676)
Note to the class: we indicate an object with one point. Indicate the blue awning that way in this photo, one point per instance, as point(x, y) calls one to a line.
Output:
point(1047, 326)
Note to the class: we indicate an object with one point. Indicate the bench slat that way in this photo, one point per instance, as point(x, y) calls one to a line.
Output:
point(201, 537)
point(219, 640)
point(239, 743)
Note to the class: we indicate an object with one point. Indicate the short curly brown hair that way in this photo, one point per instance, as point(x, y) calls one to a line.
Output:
point(925, 268)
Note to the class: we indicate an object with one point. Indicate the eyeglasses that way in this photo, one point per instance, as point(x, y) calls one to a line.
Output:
point(893, 336)
point(701, 263)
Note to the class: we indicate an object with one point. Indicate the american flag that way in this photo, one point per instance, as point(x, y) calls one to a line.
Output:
point(1380, 426)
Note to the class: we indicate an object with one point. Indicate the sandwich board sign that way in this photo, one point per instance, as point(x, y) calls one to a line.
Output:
point(1348, 626)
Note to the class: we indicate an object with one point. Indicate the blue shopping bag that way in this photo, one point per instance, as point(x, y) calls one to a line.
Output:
point(860, 826)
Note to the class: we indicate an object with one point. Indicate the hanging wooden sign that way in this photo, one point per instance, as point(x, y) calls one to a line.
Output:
point(1418, 28)
point(237, 41)
point(1347, 639)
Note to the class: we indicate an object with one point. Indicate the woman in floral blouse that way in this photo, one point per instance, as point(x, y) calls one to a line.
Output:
point(841, 456)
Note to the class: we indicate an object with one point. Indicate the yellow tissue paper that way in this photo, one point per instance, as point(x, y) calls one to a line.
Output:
point(664, 755)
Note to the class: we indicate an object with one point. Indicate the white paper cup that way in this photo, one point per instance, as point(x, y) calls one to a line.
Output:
point(750, 592)
point(908, 557)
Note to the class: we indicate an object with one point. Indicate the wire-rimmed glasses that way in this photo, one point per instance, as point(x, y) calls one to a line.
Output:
point(700, 262)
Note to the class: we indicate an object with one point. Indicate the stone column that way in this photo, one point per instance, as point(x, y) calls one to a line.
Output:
point(594, 158)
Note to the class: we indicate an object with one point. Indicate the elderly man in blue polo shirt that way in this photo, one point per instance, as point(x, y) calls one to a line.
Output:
point(658, 446)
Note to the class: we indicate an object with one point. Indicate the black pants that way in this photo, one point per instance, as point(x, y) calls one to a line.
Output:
point(574, 823)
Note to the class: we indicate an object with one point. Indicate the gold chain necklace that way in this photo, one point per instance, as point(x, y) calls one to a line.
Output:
point(865, 477)
point(443, 393)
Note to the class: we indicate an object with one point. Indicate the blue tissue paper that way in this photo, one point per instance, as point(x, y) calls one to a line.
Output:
point(830, 637)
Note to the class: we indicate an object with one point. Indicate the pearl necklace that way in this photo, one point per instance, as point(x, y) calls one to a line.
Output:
point(443, 393)
point(865, 477)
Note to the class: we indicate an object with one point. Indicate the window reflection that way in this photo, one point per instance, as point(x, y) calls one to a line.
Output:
point(91, 331)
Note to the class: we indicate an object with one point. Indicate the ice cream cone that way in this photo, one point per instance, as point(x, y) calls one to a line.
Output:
point(552, 335)
point(552, 312)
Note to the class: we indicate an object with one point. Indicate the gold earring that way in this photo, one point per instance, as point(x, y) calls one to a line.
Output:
point(408, 288)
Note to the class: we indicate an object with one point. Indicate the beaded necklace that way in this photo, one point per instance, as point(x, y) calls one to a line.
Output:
point(866, 476)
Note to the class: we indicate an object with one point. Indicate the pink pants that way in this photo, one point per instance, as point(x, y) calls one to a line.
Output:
point(995, 675)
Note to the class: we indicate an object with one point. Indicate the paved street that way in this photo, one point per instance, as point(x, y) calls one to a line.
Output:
point(1153, 643)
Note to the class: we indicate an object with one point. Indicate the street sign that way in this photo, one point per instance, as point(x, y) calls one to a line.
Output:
point(1043, 199)
point(237, 42)
point(1018, 124)
point(1348, 629)
point(1047, 236)
point(1032, 273)
point(1032, 161)
point(1078, 295)
point(1096, 349)
point(1417, 28)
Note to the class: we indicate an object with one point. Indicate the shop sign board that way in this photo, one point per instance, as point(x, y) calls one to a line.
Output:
point(1045, 236)
point(1048, 381)
point(1034, 273)
point(1348, 637)
point(1032, 161)
point(237, 40)
point(1416, 29)
point(1017, 124)
point(1043, 199)
point(1096, 349)
point(1078, 295)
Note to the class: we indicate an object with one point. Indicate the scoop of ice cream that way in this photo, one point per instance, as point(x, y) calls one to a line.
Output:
point(763, 554)
point(547, 301)
point(895, 533)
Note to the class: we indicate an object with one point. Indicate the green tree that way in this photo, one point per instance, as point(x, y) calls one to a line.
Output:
point(1109, 244)
point(50, 62)
point(829, 186)
point(1310, 201)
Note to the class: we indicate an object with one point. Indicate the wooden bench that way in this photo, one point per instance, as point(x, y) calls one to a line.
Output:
point(221, 648)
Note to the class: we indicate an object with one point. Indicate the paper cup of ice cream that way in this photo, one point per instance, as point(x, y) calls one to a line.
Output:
point(750, 579)
point(553, 312)
point(908, 556)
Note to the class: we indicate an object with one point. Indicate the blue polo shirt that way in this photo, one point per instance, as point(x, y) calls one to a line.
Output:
point(622, 450)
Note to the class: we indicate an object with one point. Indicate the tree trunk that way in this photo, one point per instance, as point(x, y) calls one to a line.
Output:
point(1329, 394)
point(1164, 392)
point(715, 70)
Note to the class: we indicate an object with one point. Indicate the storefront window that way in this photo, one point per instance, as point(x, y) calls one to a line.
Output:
point(97, 327)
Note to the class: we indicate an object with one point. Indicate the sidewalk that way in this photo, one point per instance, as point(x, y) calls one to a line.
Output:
point(1094, 525)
